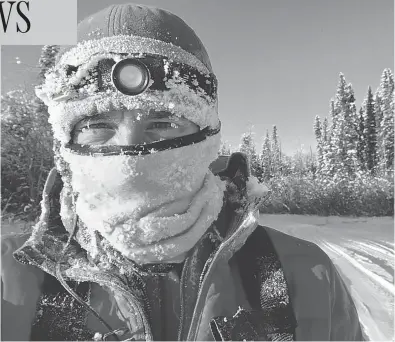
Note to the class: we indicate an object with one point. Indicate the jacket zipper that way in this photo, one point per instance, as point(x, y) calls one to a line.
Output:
point(204, 271)
point(182, 298)
point(204, 278)
point(180, 326)
point(144, 311)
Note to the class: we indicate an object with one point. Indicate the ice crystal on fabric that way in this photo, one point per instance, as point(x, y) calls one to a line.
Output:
point(146, 215)
point(130, 44)
point(181, 101)
point(68, 106)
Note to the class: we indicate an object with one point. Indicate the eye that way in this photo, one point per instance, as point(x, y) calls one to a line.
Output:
point(162, 125)
point(94, 133)
point(92, 126)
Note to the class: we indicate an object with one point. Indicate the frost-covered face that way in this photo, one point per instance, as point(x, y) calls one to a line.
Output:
point(131, 127)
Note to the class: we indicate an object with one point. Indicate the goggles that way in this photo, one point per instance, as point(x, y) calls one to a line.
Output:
point(130, 74)
point(144, 149)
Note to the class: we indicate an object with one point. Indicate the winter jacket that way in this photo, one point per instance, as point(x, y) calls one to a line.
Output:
point(241, 281)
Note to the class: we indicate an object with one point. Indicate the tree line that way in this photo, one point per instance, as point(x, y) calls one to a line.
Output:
point(348, 141)
point(351, 171)
point(349, 174)
point(26, 146)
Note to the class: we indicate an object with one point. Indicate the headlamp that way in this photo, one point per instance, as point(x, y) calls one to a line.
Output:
point(130, 76)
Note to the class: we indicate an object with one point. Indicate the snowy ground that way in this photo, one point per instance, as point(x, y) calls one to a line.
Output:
point(363, 251)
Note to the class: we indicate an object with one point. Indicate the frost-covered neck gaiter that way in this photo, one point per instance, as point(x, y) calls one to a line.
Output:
point(151, 208)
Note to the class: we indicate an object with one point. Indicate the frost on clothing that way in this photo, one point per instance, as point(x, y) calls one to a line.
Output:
point(67, 106)
point(151, 208)
point(129, 44)
point(178, 101)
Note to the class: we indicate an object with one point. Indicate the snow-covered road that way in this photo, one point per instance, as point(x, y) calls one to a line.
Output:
point(363, 251)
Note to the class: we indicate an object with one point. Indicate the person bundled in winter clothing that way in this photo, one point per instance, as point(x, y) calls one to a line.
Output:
point(143, 235)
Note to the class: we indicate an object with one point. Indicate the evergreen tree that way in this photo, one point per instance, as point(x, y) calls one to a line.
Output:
point(370, 148)
point(324, 148)
point(387, 122)
point(345, 136)
point(275, 152)
point(266, 158)
point(332, 116)
point(329, 148)
point(318, 132)
point(361, 144)
point(351, 132)
point(247, 146)
point(337, 148)
point(317, 128)
point(225, 149)
point(26, 151)
point(47, 58)
point(325, 130)
point(378, 114)
point(275, 144)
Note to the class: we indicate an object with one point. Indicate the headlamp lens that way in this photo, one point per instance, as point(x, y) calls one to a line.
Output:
point(130, 76)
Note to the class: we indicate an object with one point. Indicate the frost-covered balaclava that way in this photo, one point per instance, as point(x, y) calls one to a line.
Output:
point(151, 202)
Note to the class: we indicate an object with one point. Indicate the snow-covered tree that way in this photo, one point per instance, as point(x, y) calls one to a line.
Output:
point(345, 125)
point(324, 160)
point(387, 122)
point(325, 130)
point(340, 149)
point(275, 151)
point(266, 157)
point(275, 142)
point(378, 114)
point(26, 151)
point(225, 149)
point(351, 131)
point(317, 128)
point(369, 133)
point(361, 142)
point(318, 132)
point(303, 162)
point(247, 146)
point(329, 148)
point(337, 148)
point(47, 58)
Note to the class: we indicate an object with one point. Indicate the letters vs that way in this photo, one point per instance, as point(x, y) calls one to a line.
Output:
point(7, 7)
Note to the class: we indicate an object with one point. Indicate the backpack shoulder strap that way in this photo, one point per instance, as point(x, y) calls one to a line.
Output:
point(265, 285)
point(59, 317)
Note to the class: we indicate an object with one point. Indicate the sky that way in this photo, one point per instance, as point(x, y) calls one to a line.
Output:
point(277, 61)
